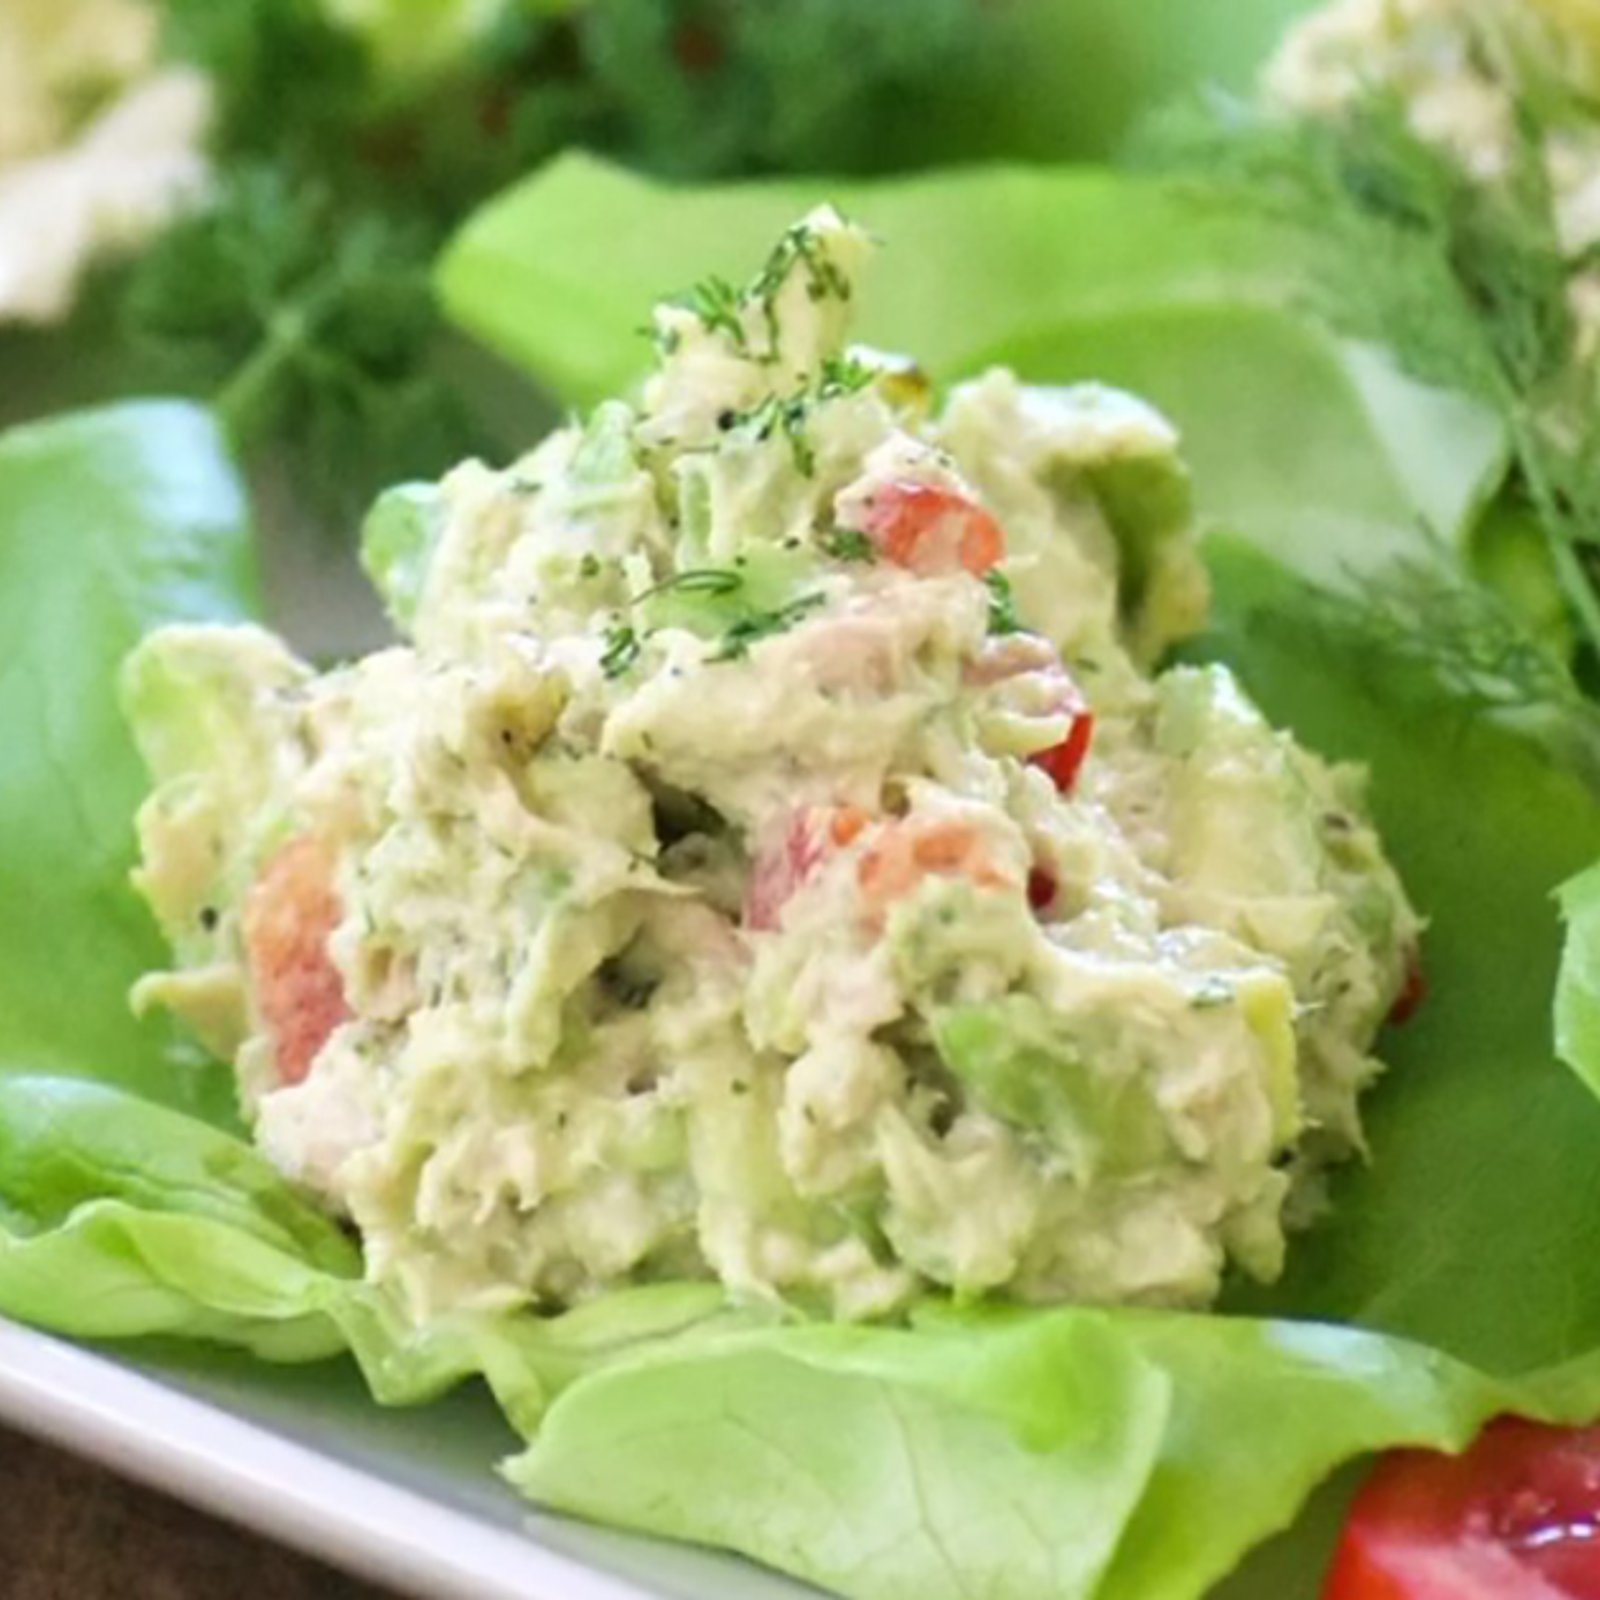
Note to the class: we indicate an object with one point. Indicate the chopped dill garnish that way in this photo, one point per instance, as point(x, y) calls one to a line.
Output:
point(622, 648)
point(824, 280)
point(1002, 603)
point(750, 630)
point(695, 580)
point(848, 544)
point(785, 414)
point(719, 306)
point(842, 376)
point(798, 247)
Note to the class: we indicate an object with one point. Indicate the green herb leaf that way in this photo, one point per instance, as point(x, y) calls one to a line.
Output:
point(1002, 603)
point(848, 544)
point(696, 580)
point(719, 306)
point(622, 649)
point(750, 630)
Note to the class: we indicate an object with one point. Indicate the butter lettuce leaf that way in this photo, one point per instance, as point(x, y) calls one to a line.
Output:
point(1578, 990)
point(111, 522)
point(123, 1219)
point(1467, 1225)
point(1087, 1455)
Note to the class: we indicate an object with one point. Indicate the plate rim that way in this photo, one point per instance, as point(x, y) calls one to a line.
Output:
point(251, 1475)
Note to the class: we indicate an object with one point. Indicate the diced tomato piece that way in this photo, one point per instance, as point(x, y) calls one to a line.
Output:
point(1042, 887)
point(895, 858)
point(1027, 656)
point(1413, 993)
point(783, 866)
point(847, 824)
point(933, 530)
point(905, 853)
point(1517, 1517)
point(289, 915)
point(1063, 762)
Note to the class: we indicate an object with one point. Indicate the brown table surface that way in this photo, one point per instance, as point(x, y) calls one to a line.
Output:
point(72, 1531)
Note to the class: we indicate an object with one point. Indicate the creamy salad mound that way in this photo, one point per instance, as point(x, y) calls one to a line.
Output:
point(770, 856)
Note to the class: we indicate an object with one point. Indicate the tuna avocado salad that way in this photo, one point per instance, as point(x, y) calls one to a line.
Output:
point(773, 857)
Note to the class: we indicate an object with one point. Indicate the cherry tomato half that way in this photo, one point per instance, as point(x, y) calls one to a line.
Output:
point(1517, 1517)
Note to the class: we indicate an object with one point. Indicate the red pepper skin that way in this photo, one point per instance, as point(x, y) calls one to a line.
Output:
point(1063, 762)
point(1413, 993)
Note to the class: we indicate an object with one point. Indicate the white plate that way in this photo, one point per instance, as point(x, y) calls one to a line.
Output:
point(408, 1498)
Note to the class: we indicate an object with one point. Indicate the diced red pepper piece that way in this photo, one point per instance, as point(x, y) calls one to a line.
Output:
point(905, 852)
point(1063, 762)
point(1413, 993)
point(781, 868)
point(931, 530)
point(289, 915)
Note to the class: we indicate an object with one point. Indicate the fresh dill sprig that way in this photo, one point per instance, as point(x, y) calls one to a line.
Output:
point(308, 327)
point(1426, 623)
point(1458, 633)
point(299, 299)
point(719, 306)
point(1463, 280)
